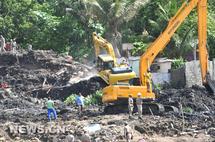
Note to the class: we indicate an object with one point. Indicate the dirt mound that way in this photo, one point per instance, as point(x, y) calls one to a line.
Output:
point(37, 74)
point(44, 73)
point(194, 99)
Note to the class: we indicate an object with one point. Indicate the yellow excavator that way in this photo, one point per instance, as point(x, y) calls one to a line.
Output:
point(116, 93)
point(109, 70)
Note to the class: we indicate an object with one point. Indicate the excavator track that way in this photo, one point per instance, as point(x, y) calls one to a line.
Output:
point(148, 108)
point(97, 83)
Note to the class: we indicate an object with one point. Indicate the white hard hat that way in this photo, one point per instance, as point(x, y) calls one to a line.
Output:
point(139, 94)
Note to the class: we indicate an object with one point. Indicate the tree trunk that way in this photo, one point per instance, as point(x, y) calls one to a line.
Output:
point(117, 43)
point(115, 38)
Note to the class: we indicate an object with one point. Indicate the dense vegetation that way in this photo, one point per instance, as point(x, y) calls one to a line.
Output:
point(66, 25)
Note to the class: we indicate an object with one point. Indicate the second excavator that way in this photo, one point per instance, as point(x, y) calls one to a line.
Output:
point(115, 94)
point(108, 69)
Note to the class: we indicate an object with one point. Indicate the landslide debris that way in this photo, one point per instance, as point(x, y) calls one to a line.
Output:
point(42, 73)
point(195, 99)
point(35, 75)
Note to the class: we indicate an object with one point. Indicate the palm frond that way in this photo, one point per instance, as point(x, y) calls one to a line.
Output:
point(92, 4)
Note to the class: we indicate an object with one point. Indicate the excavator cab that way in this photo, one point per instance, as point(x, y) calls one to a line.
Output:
point(112, 74)
point(108, 68)
point(105, 62)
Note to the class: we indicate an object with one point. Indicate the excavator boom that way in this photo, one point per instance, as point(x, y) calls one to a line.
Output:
point(101, 43)
point(160, 43)
point(202, 37)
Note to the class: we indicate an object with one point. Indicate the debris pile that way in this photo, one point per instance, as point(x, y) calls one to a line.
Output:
point(44, 73)
point(33, 76)
point(194, 99)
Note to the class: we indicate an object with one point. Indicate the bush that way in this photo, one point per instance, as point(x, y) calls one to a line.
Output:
point(187, 110)
point(139, 48)
point(93, 99)
point(178, 63)
point(70, 99)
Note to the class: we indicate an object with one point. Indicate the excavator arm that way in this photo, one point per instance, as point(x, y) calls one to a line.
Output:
point(160, 43)
point(202, 37)
point(100, 43)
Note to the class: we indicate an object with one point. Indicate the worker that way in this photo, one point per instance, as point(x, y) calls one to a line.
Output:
point(139, 103)
point(51, 109)
point(2, 39)
point(80, 103)
point(130, 105)
point(30, 48)
point(149, 81)
point(128, 133)
point(124, 63)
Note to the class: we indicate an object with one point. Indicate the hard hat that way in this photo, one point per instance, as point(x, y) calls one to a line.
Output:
point(139, 94)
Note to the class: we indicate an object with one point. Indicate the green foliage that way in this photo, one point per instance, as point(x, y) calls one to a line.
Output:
point(140, 48)
point(93, 99)
point(187, 110)
point(48, 25)
point(71, 99)
point(154, 18)
point(157, 87)
point(178, 63)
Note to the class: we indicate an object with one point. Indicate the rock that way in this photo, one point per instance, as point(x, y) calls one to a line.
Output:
point(69, 138)
point(140, 129)
point(17, 138)
point(92, 128)
point(2, 94)
point(35, 139)
point(85, 138)
point(211, 131)
point(116, 122)
point(2, 139)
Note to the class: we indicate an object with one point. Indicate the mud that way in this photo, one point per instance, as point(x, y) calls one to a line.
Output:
point(45, 73)
point(194, 99)
point(33, 76)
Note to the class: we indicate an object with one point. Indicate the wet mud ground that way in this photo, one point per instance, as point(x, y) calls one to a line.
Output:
point(35, 75)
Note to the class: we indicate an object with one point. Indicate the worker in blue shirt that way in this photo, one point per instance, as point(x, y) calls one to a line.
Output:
point(80, 103)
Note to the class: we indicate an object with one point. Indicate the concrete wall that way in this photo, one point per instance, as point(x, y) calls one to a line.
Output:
point(134, 63)
point(157, 78)
point(160, 78)
point(185, 77)
point(193, 72)
point(177, 78)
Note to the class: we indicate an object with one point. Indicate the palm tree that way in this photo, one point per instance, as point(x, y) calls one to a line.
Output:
point(113, 14)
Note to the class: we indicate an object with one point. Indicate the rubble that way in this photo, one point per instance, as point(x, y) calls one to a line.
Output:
point(33, 76)
point(44, 73)
point(193, 99)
